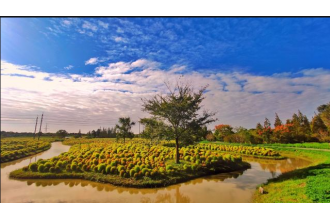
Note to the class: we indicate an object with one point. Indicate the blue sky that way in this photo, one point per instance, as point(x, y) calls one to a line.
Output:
point(242, 58)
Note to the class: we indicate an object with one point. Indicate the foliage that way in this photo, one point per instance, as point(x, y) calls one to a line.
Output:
point(15, 148)
point(61, 133)
point(124, 128)
point(179, 110)
point(135, 159)
point(222, 130)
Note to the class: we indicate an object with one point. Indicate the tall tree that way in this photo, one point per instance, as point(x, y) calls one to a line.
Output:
point(179, 109)
point(222, 130)
point(325, 114)
point(278, 121)
point(267, 131)
point(124, 128)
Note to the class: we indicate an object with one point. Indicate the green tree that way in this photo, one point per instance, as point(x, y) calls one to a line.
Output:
point(154, 129)
point(124, 128)
point(325, 114)
point(61, 133)
point(179, 110)
point(278, 121)
point(222, 131)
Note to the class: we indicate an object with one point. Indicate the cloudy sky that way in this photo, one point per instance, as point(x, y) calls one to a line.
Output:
point(85, 73)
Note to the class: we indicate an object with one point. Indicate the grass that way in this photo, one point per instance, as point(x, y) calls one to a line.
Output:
point(309, 184)
point(314, 145)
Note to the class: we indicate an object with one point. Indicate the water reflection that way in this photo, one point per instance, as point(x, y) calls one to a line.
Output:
point(226, 187)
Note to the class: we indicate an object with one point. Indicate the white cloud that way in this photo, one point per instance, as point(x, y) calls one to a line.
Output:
point(120, 39)
point(92, 61)
point(76, 102)
point(66, 22)
point(68, 67)
point(89, 26)
point(103, 24)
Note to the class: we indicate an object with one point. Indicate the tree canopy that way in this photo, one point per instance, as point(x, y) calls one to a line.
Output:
point(123, 129)
point(180, 110)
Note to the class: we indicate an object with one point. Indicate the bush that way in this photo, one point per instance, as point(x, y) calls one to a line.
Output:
point(113, 170)
point(144, 170)
point(169, 167)
point(41, 168)
point(132, 172)
point(187, 167)
point(33, 167)
point(74, 167)
point(137, 169)
point(101, 167)
point(52, 170)
point(108, 169)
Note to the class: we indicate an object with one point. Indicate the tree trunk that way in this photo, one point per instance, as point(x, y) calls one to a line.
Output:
point(177, 157)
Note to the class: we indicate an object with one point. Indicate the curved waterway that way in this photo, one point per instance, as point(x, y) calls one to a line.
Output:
point(227, 187)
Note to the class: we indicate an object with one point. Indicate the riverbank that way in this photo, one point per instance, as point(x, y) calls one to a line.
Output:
point(309, 184)
point(144, 182)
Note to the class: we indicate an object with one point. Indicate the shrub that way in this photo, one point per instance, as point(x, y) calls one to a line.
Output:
point(33, 167)
point(52, 170)
point(137, 168)
point(169, 167)
point(108, 169)
point(113, 170)
point(101, 167)
point(41, 168)
point(144, 170)
point(121, 173)
point(74, 167)
point(187, 167)
point(132, 172)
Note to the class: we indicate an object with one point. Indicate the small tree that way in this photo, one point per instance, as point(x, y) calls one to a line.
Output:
point(179, 110)
point(124, 128)
point(61, 133)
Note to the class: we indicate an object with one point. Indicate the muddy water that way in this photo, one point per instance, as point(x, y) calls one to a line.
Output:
point(229, 187)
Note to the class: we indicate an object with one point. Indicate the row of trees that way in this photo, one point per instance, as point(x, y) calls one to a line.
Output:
point(102, 133)
point(295, 130)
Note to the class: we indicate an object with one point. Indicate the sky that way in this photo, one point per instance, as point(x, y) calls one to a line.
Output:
point(85, 73)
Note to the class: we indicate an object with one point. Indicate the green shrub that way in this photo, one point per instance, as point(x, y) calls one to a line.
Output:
point(137, 169)
point(113, 170)
point(187, 167)
point(108, 169)
point(144, 170)
point(41, 168)
point(74, 167)
point(101, 167)
point(169, 167)
point(52, 170)
point(132, 172)
point(33, 167)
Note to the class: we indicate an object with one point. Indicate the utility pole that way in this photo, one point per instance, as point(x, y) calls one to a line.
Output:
point(35, 128)
point(46, 128)
point(139, 128)
point(42, 116)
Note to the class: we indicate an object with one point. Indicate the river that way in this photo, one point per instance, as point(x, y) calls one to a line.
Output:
point(227, 187)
